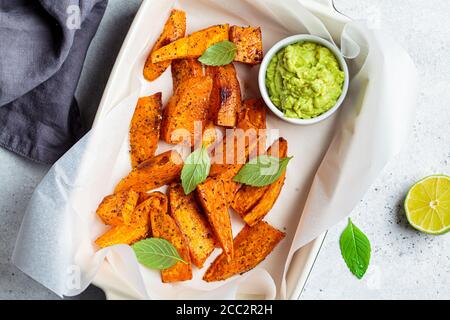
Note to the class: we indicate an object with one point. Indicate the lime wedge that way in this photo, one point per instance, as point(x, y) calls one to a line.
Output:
point(427, 204)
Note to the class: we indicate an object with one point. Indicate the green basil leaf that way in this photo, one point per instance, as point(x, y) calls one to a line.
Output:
point(195, 169)
point(220, 54)
point(262, 171)
point(355, 249)
point(155, 253)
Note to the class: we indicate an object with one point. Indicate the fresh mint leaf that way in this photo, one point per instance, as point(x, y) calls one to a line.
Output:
point(220, 54)
point(355, 249)
point(262, 171)
point(195, 169)
point(155, 253)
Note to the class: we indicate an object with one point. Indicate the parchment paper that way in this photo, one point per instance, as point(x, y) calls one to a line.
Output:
point(334, 161)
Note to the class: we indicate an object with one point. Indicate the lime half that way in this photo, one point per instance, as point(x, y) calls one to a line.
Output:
point(427, 204)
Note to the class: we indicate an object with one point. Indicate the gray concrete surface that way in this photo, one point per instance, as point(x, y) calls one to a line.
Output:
point(405, 263)
point(18, 177)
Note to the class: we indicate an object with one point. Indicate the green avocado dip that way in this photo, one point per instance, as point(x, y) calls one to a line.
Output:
point(304, 80)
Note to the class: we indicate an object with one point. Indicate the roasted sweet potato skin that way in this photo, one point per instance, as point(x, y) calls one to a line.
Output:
point(253, 111)
point(135, 225)
point(251, 246)
point(262, 208)
point(187, 108)
point(193, 45)
point(141, 214)
point(192, 223)
point(143, 196)
point(257, 198)
point(227, 158)
point(209, 135)
point(164, 226)
point(248, 41)
point(144, 129)
point(237, 146)
point(225, 101)
point(117, 207)
point(153, 173)
point(252, 116)
point(212, 196)
point(122, 234)
point(184, 69)
point(175, 28)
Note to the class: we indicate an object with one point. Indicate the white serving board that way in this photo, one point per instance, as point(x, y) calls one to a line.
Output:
point(303, 261)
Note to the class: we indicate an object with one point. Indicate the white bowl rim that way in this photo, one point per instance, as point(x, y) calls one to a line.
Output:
point(284, 43)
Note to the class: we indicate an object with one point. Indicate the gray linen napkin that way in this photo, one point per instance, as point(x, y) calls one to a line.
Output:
point(43, 44)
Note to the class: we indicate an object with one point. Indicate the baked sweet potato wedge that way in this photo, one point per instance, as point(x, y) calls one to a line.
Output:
point(175, 28)
point(225, 101)
point(254, 112)
point(260, 210)
point(164, 226)
point(248, 41)
point(122, 234)
point(187, 108)
point(211, 194)
point(144, 129)
point(252, 116)
point(114, 208)
point(235, 149)
point(184, 69)
point(193, 45)
point(251, 246)
point(143, 196)
point(141, 215)
point(192, 223)
point(209, 136)
point(153, 173)
point(249, 198)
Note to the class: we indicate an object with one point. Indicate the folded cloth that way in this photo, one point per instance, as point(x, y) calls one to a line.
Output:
point(43, 44)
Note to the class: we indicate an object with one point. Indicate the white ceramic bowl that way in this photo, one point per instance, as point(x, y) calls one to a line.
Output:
point(284, 43)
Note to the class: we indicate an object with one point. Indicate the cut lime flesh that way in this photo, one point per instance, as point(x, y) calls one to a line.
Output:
point(427, 205)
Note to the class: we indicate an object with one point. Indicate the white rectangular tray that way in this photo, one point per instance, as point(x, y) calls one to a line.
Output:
point(303, 261)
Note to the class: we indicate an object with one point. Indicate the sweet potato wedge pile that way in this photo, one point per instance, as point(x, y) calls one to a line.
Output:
point(229, 156)
point(203, 97)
